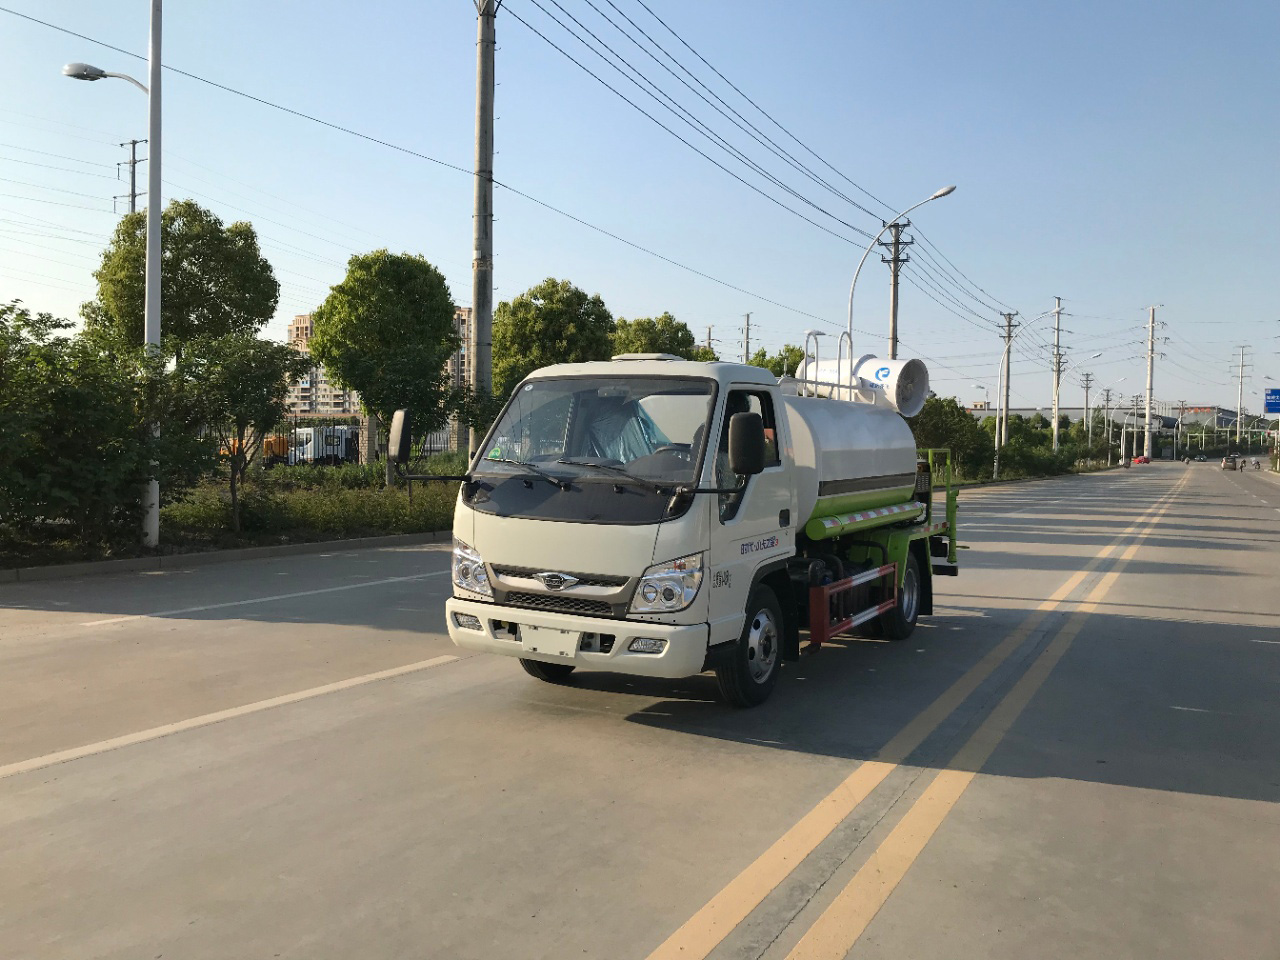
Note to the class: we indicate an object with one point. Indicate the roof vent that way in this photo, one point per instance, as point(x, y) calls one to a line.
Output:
point(647, 356)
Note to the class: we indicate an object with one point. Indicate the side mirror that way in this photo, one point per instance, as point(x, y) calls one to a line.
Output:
point(398, 448)
point(746, 444)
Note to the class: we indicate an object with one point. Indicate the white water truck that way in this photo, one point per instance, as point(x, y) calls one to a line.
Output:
point(660, 517)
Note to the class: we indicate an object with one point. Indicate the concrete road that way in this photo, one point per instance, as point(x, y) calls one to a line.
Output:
point(1078, 756)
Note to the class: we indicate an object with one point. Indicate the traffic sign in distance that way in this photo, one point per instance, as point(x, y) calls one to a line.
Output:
point(1273, 400)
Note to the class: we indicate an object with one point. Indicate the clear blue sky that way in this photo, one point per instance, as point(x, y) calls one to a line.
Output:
point(1115, 154)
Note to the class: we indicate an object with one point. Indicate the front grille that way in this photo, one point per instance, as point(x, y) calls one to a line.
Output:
point(560, 604)
point(584, 579)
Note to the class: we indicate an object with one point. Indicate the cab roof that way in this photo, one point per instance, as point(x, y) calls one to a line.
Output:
point(648, 365)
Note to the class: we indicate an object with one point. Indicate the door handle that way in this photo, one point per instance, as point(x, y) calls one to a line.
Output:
point(784, 518)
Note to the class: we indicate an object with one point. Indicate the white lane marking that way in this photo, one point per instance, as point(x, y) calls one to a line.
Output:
point(1253, 640)
point(271, 599)
point(1191, 709)
point(155, 733)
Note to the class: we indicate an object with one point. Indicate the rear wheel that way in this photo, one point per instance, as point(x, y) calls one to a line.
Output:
point(550, 672)
point(748, 675)
point(898, 623)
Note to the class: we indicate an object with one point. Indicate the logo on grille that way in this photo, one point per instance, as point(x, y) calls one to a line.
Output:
point(555, 581)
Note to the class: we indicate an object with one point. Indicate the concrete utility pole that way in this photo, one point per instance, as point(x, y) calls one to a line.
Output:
point(1151, 355)
point(133, 162)
point(1088, 421)
point(1240, 399)
point(1177, 428)
point(746, 340)
point(1002, 420)
point(482, 222)
point(151, 299)
point(895, 265)
point(708, 336)
point(1106, 399)
point(1057, 364)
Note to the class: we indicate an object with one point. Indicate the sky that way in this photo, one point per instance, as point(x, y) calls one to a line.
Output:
point(1117, 155)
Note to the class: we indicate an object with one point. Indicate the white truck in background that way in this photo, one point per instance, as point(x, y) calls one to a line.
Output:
point(662, 517)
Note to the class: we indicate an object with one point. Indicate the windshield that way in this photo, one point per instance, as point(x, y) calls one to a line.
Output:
point(653, 428)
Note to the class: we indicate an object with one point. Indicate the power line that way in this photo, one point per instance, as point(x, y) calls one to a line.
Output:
point(622, 96)
point(754, 132)
point(761, 109)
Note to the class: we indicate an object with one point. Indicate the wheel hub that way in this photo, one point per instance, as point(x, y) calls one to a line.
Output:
point(762, 646)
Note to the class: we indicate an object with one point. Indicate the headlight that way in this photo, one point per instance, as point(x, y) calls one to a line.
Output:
point(667, 587)
point(469, 572)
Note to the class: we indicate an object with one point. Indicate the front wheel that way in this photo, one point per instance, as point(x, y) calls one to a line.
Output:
point(550, 672)
point(748, 675)
point(898, 623)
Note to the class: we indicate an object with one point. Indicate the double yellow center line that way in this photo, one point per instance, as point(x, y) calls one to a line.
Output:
point(844, 920)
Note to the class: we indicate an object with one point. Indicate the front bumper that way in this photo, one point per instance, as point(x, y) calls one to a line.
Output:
point(684, 654)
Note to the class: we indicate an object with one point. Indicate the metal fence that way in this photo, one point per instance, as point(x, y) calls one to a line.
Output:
point(327, 441)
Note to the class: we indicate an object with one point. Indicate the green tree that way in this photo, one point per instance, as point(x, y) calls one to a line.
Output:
point(75, 427)
point(704, 354)
point(241, 382)
point(387, 330)
point(946, 423)
point(554, 322)
point(785, 362)
point(213, 280)
point(664, 334)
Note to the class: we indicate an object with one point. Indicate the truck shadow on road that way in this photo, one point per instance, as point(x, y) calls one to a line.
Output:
point(1186, 708)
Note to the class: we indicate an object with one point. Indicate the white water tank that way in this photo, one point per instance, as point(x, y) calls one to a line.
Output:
point(848, 456)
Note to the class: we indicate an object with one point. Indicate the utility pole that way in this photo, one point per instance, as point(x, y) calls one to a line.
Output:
point(1151, 355)
point(895, 265)
point(1106, 399)
point(1177, 428)
point(1057, 365)
point(1002, 419)
point(152, 259)
point(1088, 421)
point(482, 221)
point(1240, 400)
point(708, 336)
point(746, 341)
point(133, 162)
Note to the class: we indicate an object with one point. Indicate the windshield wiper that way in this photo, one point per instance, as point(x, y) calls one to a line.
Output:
point(641, 481)
point(536, 471)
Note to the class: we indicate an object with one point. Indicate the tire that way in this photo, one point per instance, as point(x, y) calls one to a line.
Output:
point(748, 675)
point(548, 672)
point(898, 623)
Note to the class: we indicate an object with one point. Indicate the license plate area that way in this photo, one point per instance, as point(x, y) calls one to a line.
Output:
point(549, 641)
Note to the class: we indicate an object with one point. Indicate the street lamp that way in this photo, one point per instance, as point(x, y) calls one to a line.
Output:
point(85, 71)
point(893, 329)
point(151, 309)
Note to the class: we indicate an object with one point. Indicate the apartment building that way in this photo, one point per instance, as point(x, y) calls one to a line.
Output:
point(315, 394)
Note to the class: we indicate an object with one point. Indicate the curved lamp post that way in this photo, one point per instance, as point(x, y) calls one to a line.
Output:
point(86, 71)
point(151, 310)
point(893, 334)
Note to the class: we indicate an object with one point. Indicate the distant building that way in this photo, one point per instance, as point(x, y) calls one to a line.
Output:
point(315, 394)
point(458, 367)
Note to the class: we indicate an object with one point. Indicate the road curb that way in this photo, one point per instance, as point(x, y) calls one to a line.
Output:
point(182, 561)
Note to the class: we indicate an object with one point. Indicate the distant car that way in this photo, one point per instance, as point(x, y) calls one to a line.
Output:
point(1201, 459)
point(1141, 459)
point(1229, 462)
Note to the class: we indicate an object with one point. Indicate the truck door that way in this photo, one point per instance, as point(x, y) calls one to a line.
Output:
point(753, 527)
